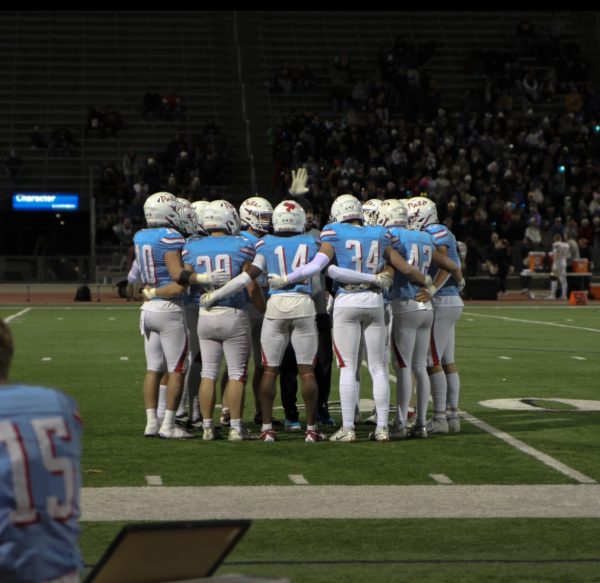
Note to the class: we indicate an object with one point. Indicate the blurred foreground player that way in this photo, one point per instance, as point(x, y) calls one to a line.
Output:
point(40, 480)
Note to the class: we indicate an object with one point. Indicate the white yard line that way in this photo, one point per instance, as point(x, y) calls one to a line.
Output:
point(578, 358)
point(527, 449)
point(505, 358)
point(298, 479)
point(154, 481)
point(46, 358)
point(322, 502)
point(441, 478)
point(533, 322)
point(13, 316)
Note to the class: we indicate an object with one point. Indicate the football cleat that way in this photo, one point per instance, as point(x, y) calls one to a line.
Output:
point(174, 433)
point(453, 424)
point(152, 428)
point(437, 425)
point(313, 435)
point(208, 434)
point(324, 418)
point(225, 418)
point(292, 425)
point(267, 435)
point(235, 435)
point(399, 431)
point(343, 435)
point(380, 434)
point(418, 431)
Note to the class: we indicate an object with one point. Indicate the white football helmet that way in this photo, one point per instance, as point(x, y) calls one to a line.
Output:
point(160, 210)
point(256, 213)
point(370, 209)
point(393, 213)
point(220, 215)
point(188, 220)
point(421, 212)
point(289, 217)
point(346, 208)
point(199, 206)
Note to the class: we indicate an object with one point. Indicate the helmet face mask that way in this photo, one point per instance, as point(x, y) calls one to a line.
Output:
point(370, 210)
point(257, 213)
point(393, 213)
point(160, 210)
point(346, 208)
point(220, 215)
point(289, 217)
point(421, 212)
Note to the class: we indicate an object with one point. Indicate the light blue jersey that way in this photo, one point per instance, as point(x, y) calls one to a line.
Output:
point(261, 279)
point(193, 291)
point(285, 254)
point(150, 248)
point(229, 253)
point(443, 236)
point(357, 247)
point(40, 480)
point(417, 248)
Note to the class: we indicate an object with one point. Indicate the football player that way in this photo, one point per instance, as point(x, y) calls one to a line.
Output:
point(562, 253)
point(448, 306)
point(412, 316)
point(158, 253)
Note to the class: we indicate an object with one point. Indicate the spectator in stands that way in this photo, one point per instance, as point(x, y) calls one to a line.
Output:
point(124, 232)
point(498, 260)
point(151, 176)
point(131, 167)
point(109, 180)
point(113, 122)
point(525, 34)
point(61, 141)
point(183, 168)
point(105, 235)
point(95, 121)
point(531, 87)
point(152, 104)
point(172, 105)
point(37, 139)
point(13, 166)
point(574, 100)
point(305, 77)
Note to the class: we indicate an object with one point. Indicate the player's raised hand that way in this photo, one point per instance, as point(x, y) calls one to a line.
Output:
point(299, 181)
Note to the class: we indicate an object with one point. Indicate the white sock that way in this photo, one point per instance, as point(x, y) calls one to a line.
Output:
point(195, 408)
point(236, 424)
point(348, 392)
point(423, 391)
point(266, 426)
point(169, 420)
point(381, 393)
point(182, 402)
point(311, 428)
point(563, 285)
point(150, 415)
point(439, 389)
point(162, 401)
point(453, 381)
point(553, 286)
point(403, 393)
point(207, 423)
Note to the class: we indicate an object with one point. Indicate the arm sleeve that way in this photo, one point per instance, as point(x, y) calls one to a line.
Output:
point(134, 273)
point(344, 275)
point(260, 262)
point(238, 283)
point(318, 263)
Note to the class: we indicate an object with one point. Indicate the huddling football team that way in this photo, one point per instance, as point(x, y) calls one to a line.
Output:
point(218, 282)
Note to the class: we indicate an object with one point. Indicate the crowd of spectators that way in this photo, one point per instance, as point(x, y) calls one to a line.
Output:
point(291, 78)
point(503, 171)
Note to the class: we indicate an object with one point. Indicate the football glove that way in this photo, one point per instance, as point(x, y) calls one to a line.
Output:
point(207, 299)
point(149, 293)
point(277, 281)
point(299, 180)
point(215, 278)
point(383, 280)
point(428, 281)
point(461, 284)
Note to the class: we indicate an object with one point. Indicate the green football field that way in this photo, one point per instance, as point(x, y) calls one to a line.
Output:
point(513, 497)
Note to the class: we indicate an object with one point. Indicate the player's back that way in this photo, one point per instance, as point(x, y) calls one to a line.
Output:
point(40, 480)
point(285, 254)
point(417, 248)
point(150, 248)
point(442, 236)
point(227, 253)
